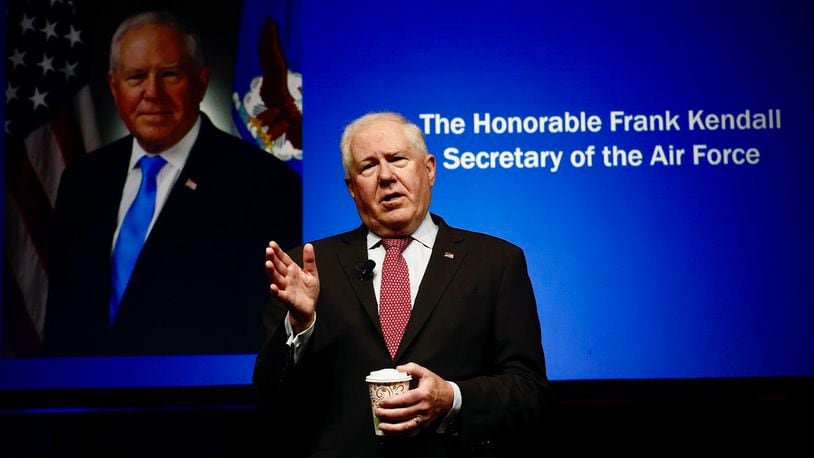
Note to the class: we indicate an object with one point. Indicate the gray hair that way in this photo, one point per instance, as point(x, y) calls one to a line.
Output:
point(415, 137)
point(163, 19)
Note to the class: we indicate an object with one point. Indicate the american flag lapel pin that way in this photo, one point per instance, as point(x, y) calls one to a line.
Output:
point(449, 255)
point(191, 184)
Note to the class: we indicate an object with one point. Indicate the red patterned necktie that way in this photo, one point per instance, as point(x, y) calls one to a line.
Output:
point(394, 299)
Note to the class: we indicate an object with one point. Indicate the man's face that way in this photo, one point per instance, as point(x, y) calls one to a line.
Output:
point(156, 86)
point(390, 182)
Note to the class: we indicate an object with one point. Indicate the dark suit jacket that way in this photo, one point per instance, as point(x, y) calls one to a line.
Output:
point(199, 285)
point(474, 322)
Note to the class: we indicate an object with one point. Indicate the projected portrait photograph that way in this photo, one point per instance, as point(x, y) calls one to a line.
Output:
point(143, 179)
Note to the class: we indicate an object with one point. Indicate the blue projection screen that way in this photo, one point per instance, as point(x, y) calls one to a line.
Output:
point(654, 160)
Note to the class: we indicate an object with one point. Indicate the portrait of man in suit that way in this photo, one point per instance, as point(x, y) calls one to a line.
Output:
point(158, 236)
point(452, 308)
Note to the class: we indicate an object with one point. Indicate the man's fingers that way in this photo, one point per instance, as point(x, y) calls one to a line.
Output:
point(281, 262)
point(277, 278)
point(410, 398)
point(280, 294)
point(309, 259)
point(417, 372)
point(274, 274)
point(409, 425)
point(279, 253)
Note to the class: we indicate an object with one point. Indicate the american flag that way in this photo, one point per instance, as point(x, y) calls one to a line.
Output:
point(49, 121)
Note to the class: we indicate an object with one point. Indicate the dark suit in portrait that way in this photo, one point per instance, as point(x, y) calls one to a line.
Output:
point(199, 285)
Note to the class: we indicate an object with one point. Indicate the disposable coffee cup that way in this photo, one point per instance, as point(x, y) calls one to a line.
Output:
point(382, 384)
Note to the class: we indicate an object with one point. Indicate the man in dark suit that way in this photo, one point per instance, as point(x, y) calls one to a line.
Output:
point(472, 340)
point(197, 284)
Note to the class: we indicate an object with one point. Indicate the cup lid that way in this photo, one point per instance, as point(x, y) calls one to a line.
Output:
point(387, 375)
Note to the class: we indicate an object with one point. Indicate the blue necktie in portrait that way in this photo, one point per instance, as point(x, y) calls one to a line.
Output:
point(133, 231)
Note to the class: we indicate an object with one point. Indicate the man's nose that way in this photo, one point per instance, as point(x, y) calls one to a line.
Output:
point(152, 87)
point(386, 173)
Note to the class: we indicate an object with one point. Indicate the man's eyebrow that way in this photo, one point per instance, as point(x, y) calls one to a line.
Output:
point(171, 65)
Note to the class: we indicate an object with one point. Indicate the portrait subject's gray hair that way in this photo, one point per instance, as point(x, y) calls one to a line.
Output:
point(159, 18)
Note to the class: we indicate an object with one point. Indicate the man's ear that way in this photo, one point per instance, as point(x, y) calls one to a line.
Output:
point(349, 185)
point(429, 162)
point(111, 83)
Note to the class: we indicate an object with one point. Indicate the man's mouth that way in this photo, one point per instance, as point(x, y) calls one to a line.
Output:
point(391, 200)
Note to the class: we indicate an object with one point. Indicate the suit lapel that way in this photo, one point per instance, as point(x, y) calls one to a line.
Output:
point(180, 207)
point(353, 253)
point(115, 186)
point(106, 212)
point(448, 254)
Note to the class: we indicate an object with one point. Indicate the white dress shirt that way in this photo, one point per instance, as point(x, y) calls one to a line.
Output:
point(176, 157)
point(417, 255)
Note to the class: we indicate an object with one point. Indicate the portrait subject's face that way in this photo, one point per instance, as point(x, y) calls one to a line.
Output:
point(389, 180)
point(156, 86)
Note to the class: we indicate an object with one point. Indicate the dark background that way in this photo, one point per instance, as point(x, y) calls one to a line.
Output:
point(758, 417)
